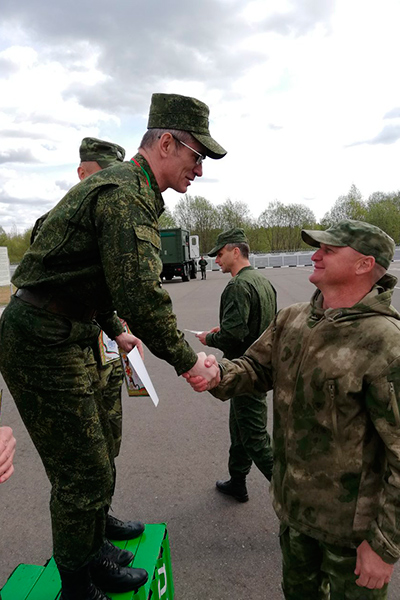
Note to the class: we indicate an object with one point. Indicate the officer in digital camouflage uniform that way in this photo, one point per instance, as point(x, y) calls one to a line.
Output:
point(97, 252)
point(247, 307)
point(334, 365)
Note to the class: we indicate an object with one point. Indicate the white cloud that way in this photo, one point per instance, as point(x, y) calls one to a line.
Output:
point(304, 96)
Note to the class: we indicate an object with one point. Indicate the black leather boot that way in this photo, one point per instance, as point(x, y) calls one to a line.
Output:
point(77, 585)
point(110, 577)
point(115, 554)
point(122, 530)
point(235, 487)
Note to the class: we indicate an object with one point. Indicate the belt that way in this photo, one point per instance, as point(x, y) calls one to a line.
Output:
point(59, 305)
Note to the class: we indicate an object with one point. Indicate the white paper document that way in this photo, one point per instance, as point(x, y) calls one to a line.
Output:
point(137, 363)
point(191, 331)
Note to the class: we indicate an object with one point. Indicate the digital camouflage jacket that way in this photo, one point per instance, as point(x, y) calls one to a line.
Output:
point(100, 245)
point(336, 380)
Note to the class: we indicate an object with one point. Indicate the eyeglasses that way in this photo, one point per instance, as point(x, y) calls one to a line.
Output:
point(200, 157)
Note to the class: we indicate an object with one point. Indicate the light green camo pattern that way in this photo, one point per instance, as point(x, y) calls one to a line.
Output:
point(336, 380)
point(101, 245)
point(359, 235)
point(314, 570)
point(100, 151)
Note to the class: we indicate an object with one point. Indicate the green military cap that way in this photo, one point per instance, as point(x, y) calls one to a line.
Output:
point(232, 236)
point(359, 235)
point(102, 152)
point(171, 111)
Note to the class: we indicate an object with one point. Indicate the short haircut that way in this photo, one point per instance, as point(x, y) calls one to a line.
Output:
point(243, 247)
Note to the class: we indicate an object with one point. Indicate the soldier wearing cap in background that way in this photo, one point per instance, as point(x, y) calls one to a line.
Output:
point(247, 307)
point(334, 366)
point(95, 155)
point(98, 251)
point(98, 154)
point(203, 264)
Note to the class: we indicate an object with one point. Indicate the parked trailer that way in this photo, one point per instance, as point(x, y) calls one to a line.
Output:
point(179, 253)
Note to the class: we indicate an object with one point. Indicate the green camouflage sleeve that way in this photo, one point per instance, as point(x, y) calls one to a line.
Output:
point(382, 401)
point(110, 323)
point(235, 305)
point(129, 244)
point(250, 373)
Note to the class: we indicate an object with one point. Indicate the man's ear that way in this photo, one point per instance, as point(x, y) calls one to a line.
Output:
point(165, 144)
point(365, 265)
point(81, 172)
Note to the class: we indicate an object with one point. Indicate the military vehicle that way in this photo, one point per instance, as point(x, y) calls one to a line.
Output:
point(179, 253)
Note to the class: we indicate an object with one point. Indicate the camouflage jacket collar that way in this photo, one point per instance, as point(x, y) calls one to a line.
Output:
point(377, 301)
point(159, 201)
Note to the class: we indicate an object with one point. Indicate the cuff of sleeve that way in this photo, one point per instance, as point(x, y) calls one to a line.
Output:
point(187, 363)
point(209, 339)
point(382, 551)
point(112, 326)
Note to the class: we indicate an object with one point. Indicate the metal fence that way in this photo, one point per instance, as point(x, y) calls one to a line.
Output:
point(285, 259)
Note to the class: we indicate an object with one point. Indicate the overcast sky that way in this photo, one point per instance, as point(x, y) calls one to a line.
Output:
point(304, 94)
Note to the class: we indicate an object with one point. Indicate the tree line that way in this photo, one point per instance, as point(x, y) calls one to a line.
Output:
point(276, 229)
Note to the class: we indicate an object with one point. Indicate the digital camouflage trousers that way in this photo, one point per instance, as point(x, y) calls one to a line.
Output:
point(112, 376)
point(313, 570)
point(48, 364)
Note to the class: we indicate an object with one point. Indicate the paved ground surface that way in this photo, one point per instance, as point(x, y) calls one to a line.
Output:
point(170, 459)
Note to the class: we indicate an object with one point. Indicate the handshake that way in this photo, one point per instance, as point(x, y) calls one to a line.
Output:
point(205, 373)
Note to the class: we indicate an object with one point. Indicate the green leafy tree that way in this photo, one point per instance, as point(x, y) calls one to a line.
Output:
point(233, 214)
point(350, 206)
point(383, 210)
point(282, 224)
point(17, 243)
point(166, 220)
point(199, 216)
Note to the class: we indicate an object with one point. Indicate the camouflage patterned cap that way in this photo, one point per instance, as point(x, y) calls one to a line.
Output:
point(102, 152)
point(231, 236)
point(359, 235)
point(171, 111)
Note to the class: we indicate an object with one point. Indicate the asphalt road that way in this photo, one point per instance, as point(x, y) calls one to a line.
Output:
point(170, 459)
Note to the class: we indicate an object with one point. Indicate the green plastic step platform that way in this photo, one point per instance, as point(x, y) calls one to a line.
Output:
point(151, 550)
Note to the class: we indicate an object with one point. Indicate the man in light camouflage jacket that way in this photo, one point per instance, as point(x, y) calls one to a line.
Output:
point(334, 365)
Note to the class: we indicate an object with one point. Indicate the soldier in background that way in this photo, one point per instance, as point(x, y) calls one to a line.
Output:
point(98, 252)
point(247, 307)
point(334, 366)
point(95, 155)
point(203, 264)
